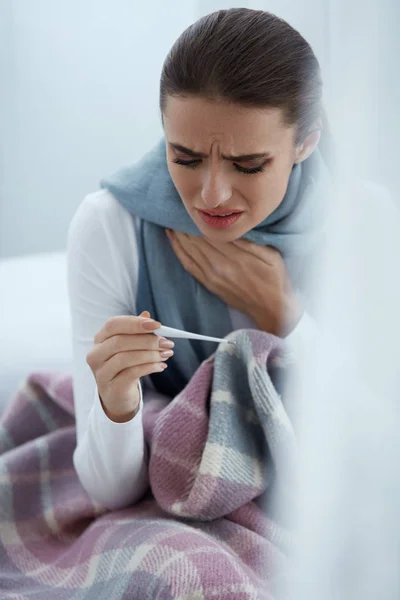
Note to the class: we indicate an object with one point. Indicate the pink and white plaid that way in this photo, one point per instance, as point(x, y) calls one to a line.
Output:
point(201, 532)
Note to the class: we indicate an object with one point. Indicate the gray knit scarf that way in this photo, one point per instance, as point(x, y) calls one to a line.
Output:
point(172, 295)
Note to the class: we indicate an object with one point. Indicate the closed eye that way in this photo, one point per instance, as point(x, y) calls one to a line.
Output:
point(187, 163)
point(192, 164)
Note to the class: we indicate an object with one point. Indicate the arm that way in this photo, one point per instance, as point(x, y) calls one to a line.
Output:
point(110, 458)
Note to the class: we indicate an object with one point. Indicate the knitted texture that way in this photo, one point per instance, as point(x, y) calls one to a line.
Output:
point(204, 529)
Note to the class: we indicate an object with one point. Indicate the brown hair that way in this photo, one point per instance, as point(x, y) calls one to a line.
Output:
point(248, 57)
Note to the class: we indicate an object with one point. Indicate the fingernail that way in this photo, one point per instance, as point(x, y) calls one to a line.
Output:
point(166, 354)
point(160, 367)
point(164, 343)
point(150, 324)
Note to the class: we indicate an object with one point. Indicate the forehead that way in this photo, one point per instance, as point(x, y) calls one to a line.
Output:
point(197, 121)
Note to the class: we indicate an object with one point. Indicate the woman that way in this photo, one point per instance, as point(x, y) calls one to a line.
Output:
point(212, 231)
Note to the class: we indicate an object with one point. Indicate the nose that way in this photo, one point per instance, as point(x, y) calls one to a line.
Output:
point(216, 189)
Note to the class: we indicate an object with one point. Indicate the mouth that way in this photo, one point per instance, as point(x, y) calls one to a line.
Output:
point(219, 219)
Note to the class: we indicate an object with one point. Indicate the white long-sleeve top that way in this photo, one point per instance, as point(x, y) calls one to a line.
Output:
point(111, 458)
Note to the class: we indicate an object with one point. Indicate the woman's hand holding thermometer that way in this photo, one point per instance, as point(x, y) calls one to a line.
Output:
point(123, 352)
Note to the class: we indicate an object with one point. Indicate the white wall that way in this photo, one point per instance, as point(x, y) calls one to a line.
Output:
point(5, 95)
point(79, 98)
point(79, 94)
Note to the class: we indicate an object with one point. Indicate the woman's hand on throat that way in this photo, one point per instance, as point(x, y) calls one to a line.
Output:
point(251, 278)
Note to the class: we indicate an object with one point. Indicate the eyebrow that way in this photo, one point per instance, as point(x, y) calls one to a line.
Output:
point(241, 158)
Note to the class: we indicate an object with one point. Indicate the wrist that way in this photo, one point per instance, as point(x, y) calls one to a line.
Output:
point(120, 417)
point(281, 321)
point(123, 412)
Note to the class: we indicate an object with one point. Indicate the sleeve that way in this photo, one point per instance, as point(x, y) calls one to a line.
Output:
point(110, 458)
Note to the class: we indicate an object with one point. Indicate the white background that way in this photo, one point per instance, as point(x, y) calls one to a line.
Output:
point(79, 94)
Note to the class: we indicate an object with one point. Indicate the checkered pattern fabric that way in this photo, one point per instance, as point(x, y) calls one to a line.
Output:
point(203, 530)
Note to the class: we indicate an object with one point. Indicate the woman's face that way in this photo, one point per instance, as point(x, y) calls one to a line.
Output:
point(225, 158)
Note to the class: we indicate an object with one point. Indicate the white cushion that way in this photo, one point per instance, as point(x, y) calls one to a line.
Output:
point(34, 319)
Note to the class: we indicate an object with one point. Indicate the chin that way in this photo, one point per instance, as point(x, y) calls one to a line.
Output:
point(221, 235)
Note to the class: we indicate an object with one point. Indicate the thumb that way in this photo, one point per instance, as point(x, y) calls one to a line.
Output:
point(145, 314)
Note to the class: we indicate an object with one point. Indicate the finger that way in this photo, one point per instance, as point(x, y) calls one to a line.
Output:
point(214, 250)
point(196, 248)
point(124, 360)
point(187, 256)
point(267, 254)
point(177, 241)
point(100, 353)
point(223, 249)
point(125, 324)
point(223, 261)
point(141, 371)
point(208, 251)
point(131, 374)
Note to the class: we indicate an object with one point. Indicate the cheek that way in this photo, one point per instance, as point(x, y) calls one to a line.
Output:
point(186, 182)
point(264, 194)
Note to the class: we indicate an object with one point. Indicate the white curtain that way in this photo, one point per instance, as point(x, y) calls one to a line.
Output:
point(364, 86)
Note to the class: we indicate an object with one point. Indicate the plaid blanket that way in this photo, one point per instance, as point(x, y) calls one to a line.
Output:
point(202, 531)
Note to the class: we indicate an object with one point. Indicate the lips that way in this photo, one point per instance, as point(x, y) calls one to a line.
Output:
point(221, 213)
point(219, 219)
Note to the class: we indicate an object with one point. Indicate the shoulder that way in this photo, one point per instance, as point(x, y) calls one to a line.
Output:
point(100, 217)
point(102, 242)
point(102, 252)
point(100, 207)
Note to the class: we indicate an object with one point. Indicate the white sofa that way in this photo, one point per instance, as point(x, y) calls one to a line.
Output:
point(34, 319)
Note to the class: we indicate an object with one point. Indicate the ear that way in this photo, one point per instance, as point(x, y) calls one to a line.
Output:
point(310, 143)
